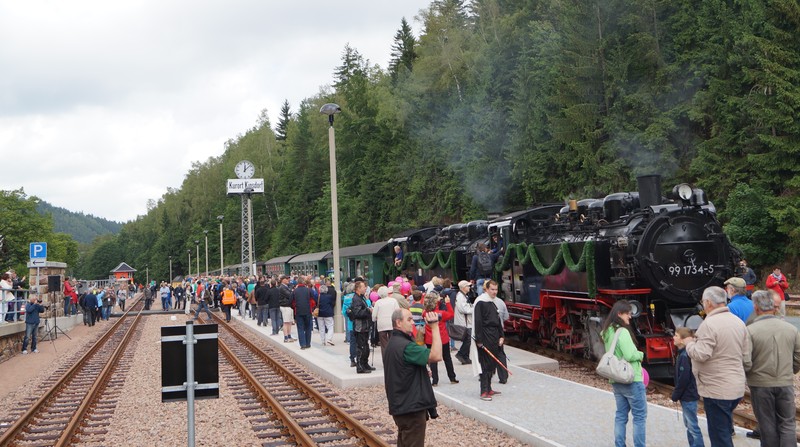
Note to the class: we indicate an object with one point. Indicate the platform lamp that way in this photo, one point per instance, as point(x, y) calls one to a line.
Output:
point(197, 258)
point(170, 269)
point(147, 272)
point(331, 109)
point(189, 252)
point(205, 232)
point(220, 217)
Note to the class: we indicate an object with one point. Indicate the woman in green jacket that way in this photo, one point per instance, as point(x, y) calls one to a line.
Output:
point(630, 397)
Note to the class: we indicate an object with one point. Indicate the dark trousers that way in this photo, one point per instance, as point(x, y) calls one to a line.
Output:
point(94, 315)
point(227, 309)
point(502, 374)
point(276, 319)
point(353, 344)
point(121, 305)
point(719, 415)
point(304, 327)
point(87, 316)
point(466, 343)
point(448, 364)
point(362, 350)
point(30, 333)
point(775, 412)
point(411, 428)
point(262, 314)
point(201, 306)
point(383, 339)
point(488, 366)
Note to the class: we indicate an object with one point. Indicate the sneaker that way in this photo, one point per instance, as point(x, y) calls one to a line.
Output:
point(25, 351)
point(755, 434)
point(486, 396)
point(353, 364)
point(454, 381)
point(494, 393)
point(35, 351)
point(434, 385)
point(330, 343)
point(291, 340)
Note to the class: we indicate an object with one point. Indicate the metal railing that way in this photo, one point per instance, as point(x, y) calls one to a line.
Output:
point(14, 310)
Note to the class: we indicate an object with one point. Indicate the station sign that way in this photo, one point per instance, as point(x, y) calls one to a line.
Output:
point(238, 186)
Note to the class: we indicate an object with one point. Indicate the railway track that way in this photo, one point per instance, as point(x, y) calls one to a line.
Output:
point(743, 417)
point(306, 411)
point(80, 403)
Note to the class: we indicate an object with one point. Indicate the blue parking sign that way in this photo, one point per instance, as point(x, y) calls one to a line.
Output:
point(38, 250)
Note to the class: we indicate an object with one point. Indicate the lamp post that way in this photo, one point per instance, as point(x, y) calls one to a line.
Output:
point(220, 217)
point(189, 252)
point(170, 270)
point(197, 258)
point(205, 232)
point(147, 272)
point(331, 109)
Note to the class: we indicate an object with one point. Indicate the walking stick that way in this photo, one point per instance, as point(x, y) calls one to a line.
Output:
point(493, 357)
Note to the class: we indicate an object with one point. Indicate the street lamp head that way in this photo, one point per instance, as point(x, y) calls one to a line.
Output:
point(220, 217)
point(330, 109)
point(196, 242)
point(205, 232)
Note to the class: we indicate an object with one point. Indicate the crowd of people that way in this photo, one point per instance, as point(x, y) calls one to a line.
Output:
point(742, 342)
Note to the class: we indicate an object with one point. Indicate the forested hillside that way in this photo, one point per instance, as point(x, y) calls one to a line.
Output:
point(83, 228)
point(499, 104)
point(20, 224)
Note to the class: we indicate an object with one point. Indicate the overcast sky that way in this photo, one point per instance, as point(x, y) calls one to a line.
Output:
point(88, 87)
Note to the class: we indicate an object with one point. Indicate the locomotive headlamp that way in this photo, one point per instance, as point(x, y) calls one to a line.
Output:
point(636, 308)
point(683, 191)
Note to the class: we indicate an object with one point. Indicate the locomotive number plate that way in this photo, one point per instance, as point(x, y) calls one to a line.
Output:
point(703, 269)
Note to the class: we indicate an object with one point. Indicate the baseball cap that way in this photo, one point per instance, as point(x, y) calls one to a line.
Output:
point(462, 284)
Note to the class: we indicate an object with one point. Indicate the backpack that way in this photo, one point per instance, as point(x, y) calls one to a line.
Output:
point(485, 263)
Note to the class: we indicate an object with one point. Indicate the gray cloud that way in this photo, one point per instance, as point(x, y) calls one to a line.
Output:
point(89, 87)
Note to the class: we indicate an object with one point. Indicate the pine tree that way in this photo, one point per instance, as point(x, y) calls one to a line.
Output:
point(283, 121)
point(403, 50)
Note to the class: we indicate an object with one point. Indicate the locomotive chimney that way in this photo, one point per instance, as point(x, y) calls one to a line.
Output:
point(649, 190)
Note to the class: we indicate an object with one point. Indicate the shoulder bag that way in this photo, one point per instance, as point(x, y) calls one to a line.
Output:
point(614, 368)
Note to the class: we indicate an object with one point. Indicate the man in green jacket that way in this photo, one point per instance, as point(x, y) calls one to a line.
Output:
point(770, 368)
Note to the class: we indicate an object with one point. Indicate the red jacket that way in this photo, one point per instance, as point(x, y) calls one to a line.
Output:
point(778, 285)
point(70, 292)
point(444, 315)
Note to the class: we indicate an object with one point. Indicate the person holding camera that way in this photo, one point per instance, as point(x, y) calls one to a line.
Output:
point(408, 388)
point(32, 310)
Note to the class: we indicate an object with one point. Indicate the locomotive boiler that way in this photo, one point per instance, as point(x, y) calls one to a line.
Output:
point(564, 267)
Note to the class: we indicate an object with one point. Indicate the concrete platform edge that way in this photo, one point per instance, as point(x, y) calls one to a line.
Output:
point(520, 433)
point(333, 378)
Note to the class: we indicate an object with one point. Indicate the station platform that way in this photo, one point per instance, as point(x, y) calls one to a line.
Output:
point(535, 408)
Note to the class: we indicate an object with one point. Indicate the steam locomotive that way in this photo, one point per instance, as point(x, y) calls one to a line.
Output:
point(561, 268)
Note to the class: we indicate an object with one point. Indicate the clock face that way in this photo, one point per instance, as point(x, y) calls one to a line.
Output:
point(244, 169)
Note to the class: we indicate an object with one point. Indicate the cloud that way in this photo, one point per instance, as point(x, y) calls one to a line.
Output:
point(103, 105)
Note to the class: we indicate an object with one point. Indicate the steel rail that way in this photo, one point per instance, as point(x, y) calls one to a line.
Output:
point(74, 423)
point(16, 428)
point(360, 430)
point(295, 430)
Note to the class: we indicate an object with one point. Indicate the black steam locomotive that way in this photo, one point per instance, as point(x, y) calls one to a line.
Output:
point(563, 267)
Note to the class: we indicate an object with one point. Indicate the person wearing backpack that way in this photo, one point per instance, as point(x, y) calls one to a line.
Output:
point(482, 266)
point(630, 397)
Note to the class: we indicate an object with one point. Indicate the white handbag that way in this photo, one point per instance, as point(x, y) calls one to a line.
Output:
point(614, 368)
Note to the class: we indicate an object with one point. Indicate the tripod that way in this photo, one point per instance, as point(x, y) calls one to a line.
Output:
point(52, 333)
